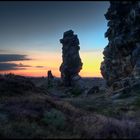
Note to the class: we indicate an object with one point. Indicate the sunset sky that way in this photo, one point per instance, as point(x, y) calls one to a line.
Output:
point(30, 33)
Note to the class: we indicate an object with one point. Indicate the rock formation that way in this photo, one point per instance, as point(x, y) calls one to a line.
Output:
point(121, 65)
point(71, 64)
point(50, 78)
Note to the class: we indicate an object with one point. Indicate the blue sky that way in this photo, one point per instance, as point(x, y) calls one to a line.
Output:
point(37, 26)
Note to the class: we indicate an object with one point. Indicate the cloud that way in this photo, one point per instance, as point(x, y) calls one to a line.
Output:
point(39, 66)
point(22, 65)
point(12, 66)
point(9, 66)
point(5, 60)
point(1, 50)
point(12, 57)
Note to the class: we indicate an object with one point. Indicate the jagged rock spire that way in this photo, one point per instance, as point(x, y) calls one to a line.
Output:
point(71, 64)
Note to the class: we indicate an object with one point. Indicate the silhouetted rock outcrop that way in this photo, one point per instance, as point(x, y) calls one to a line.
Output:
point(121, 65)
point(50, 78)
point(72, 64)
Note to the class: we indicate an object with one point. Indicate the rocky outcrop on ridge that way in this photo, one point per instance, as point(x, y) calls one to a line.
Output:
point(121, 65)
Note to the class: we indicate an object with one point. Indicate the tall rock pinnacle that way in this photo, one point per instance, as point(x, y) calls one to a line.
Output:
point(71, 64)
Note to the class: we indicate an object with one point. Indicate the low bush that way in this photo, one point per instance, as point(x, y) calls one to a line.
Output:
point(12, 84)
point(55, 118)
point(75, 91)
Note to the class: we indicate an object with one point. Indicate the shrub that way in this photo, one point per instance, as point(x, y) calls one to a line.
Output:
point(55, 118)
point(76, 91)
point(13, 84)
point(137, 101)
point(16, 129)
point(124, 95)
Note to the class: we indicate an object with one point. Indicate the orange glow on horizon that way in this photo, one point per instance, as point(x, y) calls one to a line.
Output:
point(52, 61)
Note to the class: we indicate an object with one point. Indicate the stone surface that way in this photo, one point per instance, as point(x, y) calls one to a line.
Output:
point(50, 78)
point(121, 64)
point(71, 64)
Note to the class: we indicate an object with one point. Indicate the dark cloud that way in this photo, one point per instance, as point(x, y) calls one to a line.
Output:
point(12, 66)
point(12, 57)
point(22, 65)
point(40, 66)
point(5, 60)
point(9, 66)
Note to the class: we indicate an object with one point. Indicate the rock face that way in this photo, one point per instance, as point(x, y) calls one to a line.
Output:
point(72, 64)
point(121, 65)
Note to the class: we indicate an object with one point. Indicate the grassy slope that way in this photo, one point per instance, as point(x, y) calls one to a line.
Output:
point(35, 115)
point(120, 108)
point(32, 117)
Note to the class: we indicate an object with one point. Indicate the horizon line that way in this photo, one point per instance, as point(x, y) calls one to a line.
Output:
point(54, 76)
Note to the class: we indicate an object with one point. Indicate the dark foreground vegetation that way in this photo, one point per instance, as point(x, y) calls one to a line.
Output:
point(32, 110)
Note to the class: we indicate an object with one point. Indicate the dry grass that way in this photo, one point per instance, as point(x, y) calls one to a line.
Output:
point(80, 123)
point(92, 125)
